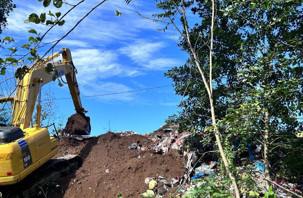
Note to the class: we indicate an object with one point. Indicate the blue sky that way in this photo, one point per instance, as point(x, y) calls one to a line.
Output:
point(112, 55)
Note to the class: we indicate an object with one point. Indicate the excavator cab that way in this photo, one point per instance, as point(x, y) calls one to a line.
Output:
point(23, 149)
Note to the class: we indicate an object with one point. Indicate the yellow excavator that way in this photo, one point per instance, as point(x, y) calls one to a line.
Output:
point(23, 148)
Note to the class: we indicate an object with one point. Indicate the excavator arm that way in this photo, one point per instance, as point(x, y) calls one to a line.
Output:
point(29, 89)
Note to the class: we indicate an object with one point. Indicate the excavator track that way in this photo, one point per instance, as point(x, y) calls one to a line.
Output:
point(46, 175)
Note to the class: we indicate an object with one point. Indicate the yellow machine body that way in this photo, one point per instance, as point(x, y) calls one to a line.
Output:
point(21, 157)
point(23, 153)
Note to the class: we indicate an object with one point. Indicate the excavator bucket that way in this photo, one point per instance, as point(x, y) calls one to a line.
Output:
point(78, 124)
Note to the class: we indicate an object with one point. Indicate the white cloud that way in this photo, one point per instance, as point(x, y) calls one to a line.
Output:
point(141, 50)
point(108, 91)
point(94, 64)
point(148, 55)
point(77, 43)
point(162, 63)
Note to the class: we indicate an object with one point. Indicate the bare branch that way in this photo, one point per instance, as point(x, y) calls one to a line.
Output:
point(156, 20)
point(193, 52)
point(211, 48)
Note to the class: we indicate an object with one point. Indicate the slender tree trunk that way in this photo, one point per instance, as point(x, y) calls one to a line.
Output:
point(223, 156)
point(266, 161)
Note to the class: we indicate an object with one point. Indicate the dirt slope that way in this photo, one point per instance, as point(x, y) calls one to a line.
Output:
point(110, 168)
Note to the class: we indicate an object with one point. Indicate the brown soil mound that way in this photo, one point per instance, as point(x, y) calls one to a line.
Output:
point(110, 168)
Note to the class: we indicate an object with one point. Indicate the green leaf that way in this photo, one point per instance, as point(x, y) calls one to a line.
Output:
point(49, 22)
point(46, 3)
point(60, 83)
point(219, 195)
point(18, 73)
point(1, 61)
point(60, 23)
point(3, 70)
point(32, 31)
point(118, 13)
point(50, 13)
point(42, 17)
point(33, 52)
point(9, 39)
point(11, 60)
point(57, 3)
point(26, 46)
point(32, 39)
point(49, 68)
point(34, 18)
point(21, 71)
point(13, 49)
point(30, 58)
point(58, 14)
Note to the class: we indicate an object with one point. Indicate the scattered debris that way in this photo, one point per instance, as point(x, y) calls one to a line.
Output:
point(259, 166)
point(148, 194)
point(166, 130)
point(133, 146)
point(204, 170)
point(152, 184)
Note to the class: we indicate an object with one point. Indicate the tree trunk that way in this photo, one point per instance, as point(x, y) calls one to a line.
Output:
point(266, 161)
point(223, 156)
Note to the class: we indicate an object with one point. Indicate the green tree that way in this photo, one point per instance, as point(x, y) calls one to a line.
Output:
point(259, 92)
point(271, 75)
point(6, 6)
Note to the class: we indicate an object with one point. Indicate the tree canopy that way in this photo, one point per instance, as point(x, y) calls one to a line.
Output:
point(257, 75)
point(6, 6)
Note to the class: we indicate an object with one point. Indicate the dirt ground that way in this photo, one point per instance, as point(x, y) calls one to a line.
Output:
point(110, 168)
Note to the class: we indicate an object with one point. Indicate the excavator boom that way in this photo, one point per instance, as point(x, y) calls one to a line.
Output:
point(30, 86)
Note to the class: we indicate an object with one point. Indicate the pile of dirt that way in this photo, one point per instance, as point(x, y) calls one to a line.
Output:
point(110, 168)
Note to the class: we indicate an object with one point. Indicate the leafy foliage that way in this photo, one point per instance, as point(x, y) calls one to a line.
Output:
point(210, 187)
point(34, 40)
point(257, 77)
point(270, 193)
point(271, 77)
point(6, 6)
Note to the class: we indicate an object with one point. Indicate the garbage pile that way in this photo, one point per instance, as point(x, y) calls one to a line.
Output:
point(153, 165)
point(168, 139)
